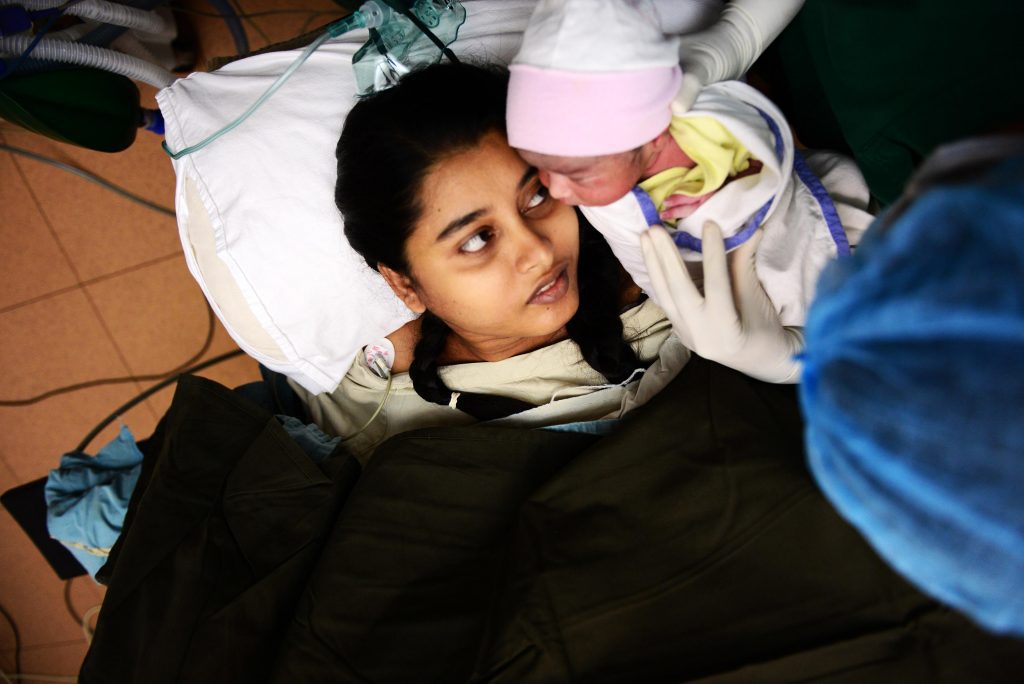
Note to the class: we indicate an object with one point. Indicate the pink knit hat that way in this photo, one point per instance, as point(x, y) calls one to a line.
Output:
point(592, 77)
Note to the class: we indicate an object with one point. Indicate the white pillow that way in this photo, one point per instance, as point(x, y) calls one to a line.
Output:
point(256, 212)
point(256, 209)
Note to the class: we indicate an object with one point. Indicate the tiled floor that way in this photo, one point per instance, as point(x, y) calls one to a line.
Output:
point(94, 286)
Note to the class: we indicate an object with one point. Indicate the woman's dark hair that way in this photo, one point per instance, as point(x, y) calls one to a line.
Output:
point(391, 140)
point(389, 143)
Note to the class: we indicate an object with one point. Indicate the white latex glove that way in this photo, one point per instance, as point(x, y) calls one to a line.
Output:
point(733, 323)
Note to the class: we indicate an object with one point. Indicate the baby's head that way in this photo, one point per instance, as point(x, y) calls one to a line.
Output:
point(590, 181)
point(590, 96)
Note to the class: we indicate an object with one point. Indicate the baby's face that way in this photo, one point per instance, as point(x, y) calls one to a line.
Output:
point(589, 181)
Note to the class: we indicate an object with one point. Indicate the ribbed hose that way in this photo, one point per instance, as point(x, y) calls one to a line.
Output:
point(75, 32)
point(129, 45)
point(104, 12)
point(106, 33)
point(90, 56)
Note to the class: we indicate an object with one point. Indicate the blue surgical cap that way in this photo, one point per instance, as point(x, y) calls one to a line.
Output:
point(913, 392)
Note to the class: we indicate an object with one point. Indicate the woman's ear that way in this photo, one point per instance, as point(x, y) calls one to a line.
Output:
point(402, 286)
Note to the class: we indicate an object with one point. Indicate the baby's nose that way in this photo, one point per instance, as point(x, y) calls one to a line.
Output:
point(558, 185)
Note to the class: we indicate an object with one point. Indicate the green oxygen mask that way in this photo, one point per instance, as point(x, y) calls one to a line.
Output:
point(409, 40)
point(406, 41)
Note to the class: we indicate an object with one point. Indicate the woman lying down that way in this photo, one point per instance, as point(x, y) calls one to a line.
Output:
point(526, 314)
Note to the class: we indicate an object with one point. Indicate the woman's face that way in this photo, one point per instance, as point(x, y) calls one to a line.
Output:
point(492, 255)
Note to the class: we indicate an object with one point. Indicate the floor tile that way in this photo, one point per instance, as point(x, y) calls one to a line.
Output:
point(54, 659)
point(177, 321)
point(157, 315)
point(53, 343)
point(100, 231)
point(28, 243)
point(57, 341)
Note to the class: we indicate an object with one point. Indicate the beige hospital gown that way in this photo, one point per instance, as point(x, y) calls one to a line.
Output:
point(563, 387)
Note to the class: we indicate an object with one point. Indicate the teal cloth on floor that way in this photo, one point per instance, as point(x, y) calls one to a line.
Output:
point(87, 498)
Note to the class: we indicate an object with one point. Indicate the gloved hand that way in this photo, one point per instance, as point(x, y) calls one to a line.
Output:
point(733, 323)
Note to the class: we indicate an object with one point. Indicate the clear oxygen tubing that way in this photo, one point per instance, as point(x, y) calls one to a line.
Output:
point(100, 11)
point(90, 56)
point(369, 15)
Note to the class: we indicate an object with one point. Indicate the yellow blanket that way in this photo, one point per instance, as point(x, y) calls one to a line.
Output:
point(718, 155)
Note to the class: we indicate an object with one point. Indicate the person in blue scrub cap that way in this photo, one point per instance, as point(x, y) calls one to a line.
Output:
point(913, 382)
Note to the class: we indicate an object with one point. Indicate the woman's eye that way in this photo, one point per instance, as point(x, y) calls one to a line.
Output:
point(477, 242)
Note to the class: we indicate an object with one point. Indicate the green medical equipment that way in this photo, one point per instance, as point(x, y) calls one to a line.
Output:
point(400, 45)
point(92, 108)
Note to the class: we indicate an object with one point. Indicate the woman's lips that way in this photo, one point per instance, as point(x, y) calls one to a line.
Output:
point(552, 291)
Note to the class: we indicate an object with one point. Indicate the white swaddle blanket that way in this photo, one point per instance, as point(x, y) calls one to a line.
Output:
point(811, 209)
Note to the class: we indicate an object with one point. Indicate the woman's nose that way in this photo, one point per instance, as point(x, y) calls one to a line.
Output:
point(534, 251)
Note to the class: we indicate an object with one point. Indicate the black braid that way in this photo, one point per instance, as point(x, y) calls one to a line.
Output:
point(429, 385)
point(596, 326)
point(423, 371)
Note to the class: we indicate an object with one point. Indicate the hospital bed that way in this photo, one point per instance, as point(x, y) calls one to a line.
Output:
point(688, 545)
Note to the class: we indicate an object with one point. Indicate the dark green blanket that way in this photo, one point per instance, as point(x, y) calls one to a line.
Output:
point(689, 545)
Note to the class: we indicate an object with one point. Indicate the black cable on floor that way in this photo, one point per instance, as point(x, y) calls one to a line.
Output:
point(17, 639)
